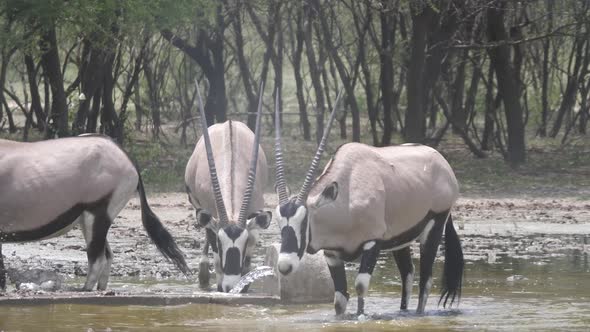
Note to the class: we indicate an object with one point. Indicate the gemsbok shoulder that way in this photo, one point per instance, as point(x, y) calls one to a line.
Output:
point(367, 200)
point(47, 187)
point(225, 179)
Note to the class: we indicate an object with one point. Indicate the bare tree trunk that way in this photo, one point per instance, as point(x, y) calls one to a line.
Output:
point(343, 73)
point(388, 19)
point(52, 68)
point(314, 72)
point(91, 75)
point(297, 57)
point(458, 111)
point(415, 119)
point(34, 89)
point(507, 83)
point(545, 74)
point(208, 54)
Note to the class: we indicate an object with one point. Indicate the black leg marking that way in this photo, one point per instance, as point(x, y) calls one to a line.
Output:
point(428, 251)
point(204, 274)
point(338, 274)
point(2, 271)
point(368, 262)
point(403, 260)
point(97, 247)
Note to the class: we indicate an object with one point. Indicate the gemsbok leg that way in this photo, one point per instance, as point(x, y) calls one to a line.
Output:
point(2, 271)
point(403, 260)
point(95, 226)
point(204, 274)
point(103, 279)
point(368, 262)
point(428, 250)
point(336, 266)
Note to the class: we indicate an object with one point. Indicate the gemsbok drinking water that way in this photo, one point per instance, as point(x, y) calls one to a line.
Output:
point(225, 185)
point(47, 187)
point(367, 200)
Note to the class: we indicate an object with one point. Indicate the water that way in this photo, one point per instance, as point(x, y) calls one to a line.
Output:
point(248, 278)
point(516, 290)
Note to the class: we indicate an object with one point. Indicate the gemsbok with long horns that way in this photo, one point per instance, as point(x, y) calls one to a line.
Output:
point(228, 195)
point(47, 187)
point(367, 200)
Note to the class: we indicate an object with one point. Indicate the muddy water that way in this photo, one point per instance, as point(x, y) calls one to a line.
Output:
point(544, 292)
point(527, 269)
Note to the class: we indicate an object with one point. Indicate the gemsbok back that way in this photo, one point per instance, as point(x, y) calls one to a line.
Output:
point(222, 184)
point(47, 187)
point(367, 200)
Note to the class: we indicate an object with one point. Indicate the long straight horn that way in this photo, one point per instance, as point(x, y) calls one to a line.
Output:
point(253, 161)
point(280, 169)
point(221, 212)
point(318, 154)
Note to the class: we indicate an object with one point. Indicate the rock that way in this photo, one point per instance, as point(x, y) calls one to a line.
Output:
point(35, 279)
point(310, 283)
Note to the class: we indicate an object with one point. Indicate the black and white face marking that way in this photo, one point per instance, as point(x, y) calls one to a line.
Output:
point(292, 218)
point(231, 242)
point(233, 246)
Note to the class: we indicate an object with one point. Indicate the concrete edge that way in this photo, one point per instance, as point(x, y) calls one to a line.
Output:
point(143, 300)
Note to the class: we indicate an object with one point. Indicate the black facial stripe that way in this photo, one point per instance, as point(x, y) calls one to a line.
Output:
point(212, 239)
point(288, 240)
point(233, 232)
point(232, 263)
point(289, 209)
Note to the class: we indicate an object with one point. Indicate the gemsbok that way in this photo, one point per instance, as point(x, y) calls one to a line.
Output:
point(367, 200)
point(228, 195)
point(47, 187)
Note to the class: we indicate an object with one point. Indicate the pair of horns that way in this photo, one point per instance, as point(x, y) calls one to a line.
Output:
point(221, 211)
point(280, 170)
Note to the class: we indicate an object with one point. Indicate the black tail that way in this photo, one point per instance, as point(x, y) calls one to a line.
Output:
point(453, 270)
point(158, 233)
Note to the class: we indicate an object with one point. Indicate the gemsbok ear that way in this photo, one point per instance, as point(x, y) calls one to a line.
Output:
point(331, 192)
point(203, 217)
point(260, 219)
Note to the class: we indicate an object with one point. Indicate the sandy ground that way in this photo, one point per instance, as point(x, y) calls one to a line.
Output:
point(490, 228)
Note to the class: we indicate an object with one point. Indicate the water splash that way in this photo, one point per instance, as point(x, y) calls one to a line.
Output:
point(248, 278)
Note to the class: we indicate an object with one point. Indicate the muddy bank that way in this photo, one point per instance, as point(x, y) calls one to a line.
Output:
point(490, 229)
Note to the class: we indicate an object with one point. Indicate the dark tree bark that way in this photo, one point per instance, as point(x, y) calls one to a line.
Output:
point(415, 119)
point(458, 111)
point(574, 76)
point(132, 82)
point(6, 55)
point(545, 72)
point(91, 76)
point(507, 82)
point(268, 36)
point(361, 29)
point(344, 74)
point(52, 68)
point(208, 54)
point(388, 19)
point(314, 72)
point(297, 58)
point(34, 89)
